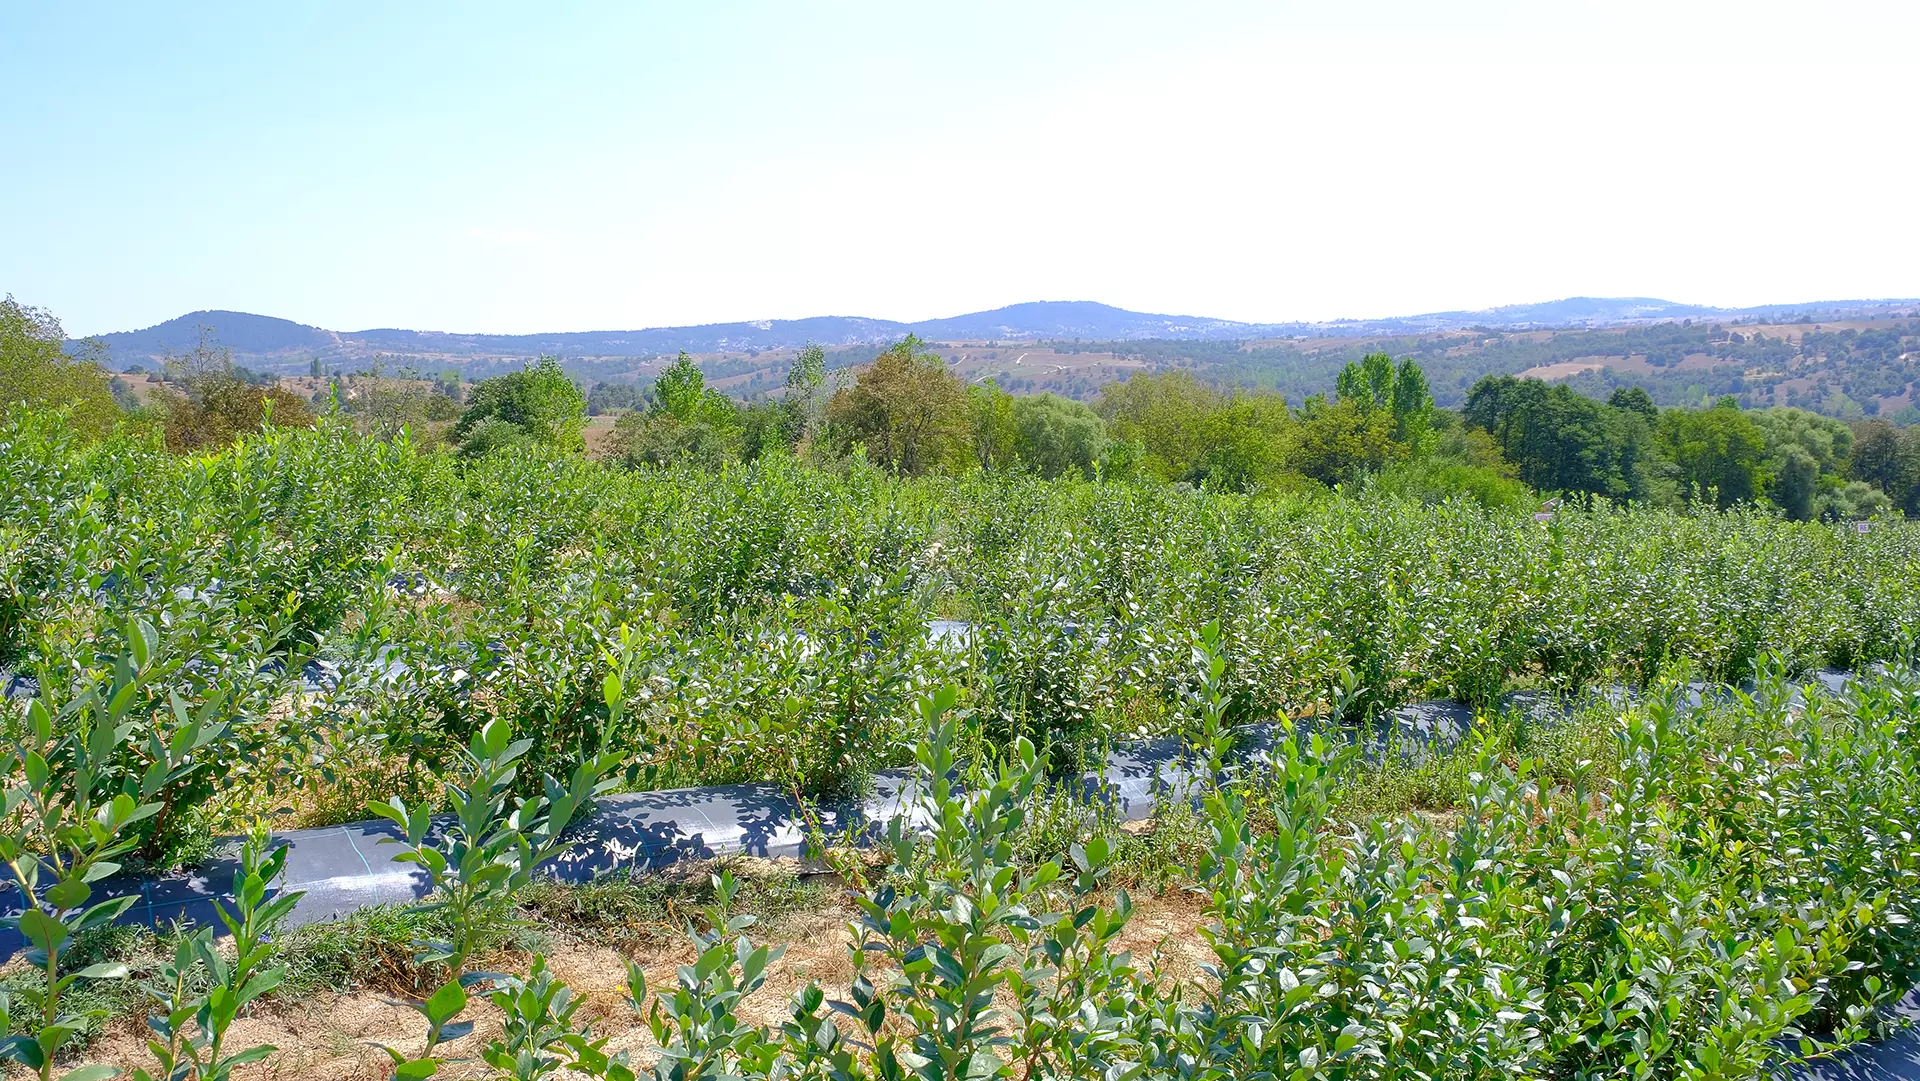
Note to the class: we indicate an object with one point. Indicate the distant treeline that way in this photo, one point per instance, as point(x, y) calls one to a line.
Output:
point(1372, 420)
point(1849, 370)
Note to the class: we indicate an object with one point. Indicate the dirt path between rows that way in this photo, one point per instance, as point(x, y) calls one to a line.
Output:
point(332, 1037)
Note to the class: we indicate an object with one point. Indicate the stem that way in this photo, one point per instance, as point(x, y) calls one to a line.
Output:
point(50, 1008)
point(50, 1004)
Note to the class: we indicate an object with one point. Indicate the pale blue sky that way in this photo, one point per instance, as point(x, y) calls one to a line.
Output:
point(578, 166)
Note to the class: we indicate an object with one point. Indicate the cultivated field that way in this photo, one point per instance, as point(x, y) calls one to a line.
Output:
point(310, 626)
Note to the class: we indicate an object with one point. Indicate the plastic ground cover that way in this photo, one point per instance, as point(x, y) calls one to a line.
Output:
point(346, 868)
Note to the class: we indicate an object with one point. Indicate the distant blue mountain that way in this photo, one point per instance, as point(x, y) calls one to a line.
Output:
point(249, 335)
point(267, 342)
point(1083, 319)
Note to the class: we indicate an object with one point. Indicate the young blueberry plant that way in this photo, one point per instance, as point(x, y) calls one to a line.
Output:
point(66, 816)
point(190, 1033)
point(962, 924)
point(481, 859)
point(538, 1034)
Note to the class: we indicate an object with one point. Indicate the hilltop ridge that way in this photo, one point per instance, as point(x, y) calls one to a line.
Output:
point(268, 342)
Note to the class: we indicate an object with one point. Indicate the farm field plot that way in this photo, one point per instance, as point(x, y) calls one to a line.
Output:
point(310, 624)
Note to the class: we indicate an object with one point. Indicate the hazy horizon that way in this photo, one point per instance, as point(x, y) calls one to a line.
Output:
point(485, 170)
point(750, 320)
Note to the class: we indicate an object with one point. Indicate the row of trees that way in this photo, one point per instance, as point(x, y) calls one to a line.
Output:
point(1808, 465)
point(908, 412)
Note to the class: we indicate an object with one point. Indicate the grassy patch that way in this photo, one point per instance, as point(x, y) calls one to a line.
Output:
point(626, 910)
point(101, 1003)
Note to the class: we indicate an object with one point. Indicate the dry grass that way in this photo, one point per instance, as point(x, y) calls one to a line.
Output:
point(330, 1036)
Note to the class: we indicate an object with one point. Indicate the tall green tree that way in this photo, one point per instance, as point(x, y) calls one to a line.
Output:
point(1245, 442)
point(686, 420)
point(803, 405)
point(538, 405)
point(1340, 442)
point(907, 410)
point(1165, 415)
point(996, 437)
point(1058, 434)
point(1635, 400)
point(1806, 462)
point(36, 370)
point(1368, 383)
point(1888, 458)
point(1559, 441)
point(1412, 404)
point(1796, 484)
point(1720, 453)
point(681, 392)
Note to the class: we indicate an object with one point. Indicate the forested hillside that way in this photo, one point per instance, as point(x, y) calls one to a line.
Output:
point(1847, 370)
point(1847, 359)
point(1376, 420)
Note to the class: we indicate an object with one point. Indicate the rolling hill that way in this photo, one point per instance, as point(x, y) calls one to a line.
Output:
point(270, 343)
point(1841, 357)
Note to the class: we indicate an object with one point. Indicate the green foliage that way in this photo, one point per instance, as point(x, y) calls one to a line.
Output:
point(1162, 413)
point(1658, 891)
point(1058, 434)
point(907, 410)
point(1368, 383)
point(388, 407)
point(209, 403)
point(1342, 441)
point(1719, 453)
point(1436, 480)
point(1888, 458)
point(1830, 371)
point(663, 439)
point(67, 818)
point(1694, 905)
point(803, 407)
point(681, 392)
point(1246, 442)
point(202, 991)
point(996, 435)
point(1635, 400)
point(35, 370)
point(488, 853)
point(537, 406)
point(1562, 442)
point(1412, 405)
point(606, 398)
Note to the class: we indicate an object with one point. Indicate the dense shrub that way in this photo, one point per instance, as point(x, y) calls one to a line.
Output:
point(362, 610)
point(1728, 893)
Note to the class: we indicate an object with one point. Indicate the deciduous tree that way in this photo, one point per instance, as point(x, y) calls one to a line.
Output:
point(540, 403)
point(907, 410)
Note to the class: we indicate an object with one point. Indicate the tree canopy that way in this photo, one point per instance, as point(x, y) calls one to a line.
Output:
point(539, 406)
point(36, 370)
point(1560, 441)
point(1058, 434)
point(906, 409)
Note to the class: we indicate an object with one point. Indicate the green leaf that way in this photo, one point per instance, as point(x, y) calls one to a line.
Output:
point(104, 971)
point(445, 1003)
point(261, 983)
point(251, 1054)
point(22, 1049)
point(69, 894)
point(96, 1072)
point(42, 930)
